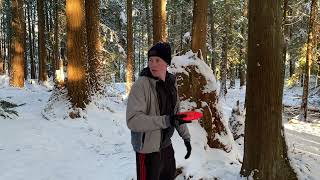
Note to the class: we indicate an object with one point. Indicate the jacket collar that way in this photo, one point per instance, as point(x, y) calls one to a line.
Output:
point(170, 78)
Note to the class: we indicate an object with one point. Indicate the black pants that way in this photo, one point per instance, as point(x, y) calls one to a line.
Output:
point(156, 166)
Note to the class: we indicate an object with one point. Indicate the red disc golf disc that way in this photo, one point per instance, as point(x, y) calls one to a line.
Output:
point(192, 115)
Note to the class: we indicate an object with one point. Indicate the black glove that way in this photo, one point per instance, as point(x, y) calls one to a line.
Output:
point(188, 146)
point(177, 119)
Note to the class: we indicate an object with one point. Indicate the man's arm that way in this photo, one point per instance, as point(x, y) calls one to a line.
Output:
point(183, 128)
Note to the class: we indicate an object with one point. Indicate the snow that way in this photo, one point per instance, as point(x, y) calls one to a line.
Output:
point(189, 59)
point(48, 145)
point(186, 37)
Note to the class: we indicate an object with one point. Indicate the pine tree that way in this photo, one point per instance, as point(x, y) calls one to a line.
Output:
point(213, 35)
point(243, 44)
point(42, 42)
point(31, 37)
point(146, 6)
point(224, 50)
point(313, 17)
point(159, 21)
point(94, 47)
point(77, 53)
point(199, 27)
point(265, 150)
point(18, 44)
point(58, 64)
point(130, 62)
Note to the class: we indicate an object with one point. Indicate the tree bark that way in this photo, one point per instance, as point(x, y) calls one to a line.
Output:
point(213, 33)
point(224, 52)
point(25, 46)
point(265, 150)
point(2, 39)
point(159, 21)
point(199, 28)
point(77, 53)
point(33, 65)
point(318, 49)
point(146, 6)
point(130, 64)
point(285, 28)
point(318, 74)
point(29, 9)
point(56, 58)
point(183, 21)
point(96, 75)
point(18, 44)
point(9, 33)
point(243, 45)
point(42, 42)
point(1, 64)
point(232, 63)
point(304, 104)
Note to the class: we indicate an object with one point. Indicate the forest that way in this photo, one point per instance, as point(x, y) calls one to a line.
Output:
point(252, 69)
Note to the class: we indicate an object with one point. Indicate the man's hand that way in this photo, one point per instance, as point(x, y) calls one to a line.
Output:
point(188, 146)
point(177, 119)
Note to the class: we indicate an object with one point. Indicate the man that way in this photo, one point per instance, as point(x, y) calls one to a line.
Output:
point(153, 104)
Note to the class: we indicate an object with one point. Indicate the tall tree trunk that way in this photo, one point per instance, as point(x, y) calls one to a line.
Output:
point(18, 44)
point(1, 42)
point(33, 66)
point(139, 51)
point(1, 65)
point(2, 39)
point(232, 71)
point(182, 20)
point(96, 75)
point(224, 53)
point(199, 28)
point(48, 40)
point(119, 61)
point(130, 64)
point(318, 47)
point(5, 40)
point(9, 33)
point(77, 53)
point(288, 35)
point(265, 150)
point(223, 66)
point(304, 104)
point(32, 73)
point(58, 63)
point(213, 34)
point(318, 76)
point(170, 22)
point(25, 46)
point(243, 45)
point(159, 21)
point(1, 62)
point(285, 28)
point(149, 34)
point(41, 42)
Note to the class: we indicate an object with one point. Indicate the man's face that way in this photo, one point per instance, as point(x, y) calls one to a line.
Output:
point(157, 66)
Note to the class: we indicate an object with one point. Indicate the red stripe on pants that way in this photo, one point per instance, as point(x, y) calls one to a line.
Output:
point(142, 167)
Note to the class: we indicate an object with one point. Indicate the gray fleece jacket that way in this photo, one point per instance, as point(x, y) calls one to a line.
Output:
point(144, 120)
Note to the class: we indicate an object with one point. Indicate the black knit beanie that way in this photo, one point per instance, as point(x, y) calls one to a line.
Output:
point(162, 50)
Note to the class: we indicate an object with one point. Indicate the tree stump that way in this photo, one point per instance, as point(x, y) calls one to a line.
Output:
point(197, 89)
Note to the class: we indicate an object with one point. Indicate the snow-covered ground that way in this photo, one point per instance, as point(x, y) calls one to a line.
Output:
point(98, 146)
